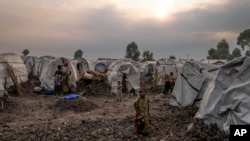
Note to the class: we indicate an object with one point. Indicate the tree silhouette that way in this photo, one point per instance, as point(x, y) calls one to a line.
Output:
point(26, 52)
point(78, 54)
point(132, 51)
point(244, 39)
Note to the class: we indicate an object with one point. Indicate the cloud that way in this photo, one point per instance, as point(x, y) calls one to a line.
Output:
point(105, 30)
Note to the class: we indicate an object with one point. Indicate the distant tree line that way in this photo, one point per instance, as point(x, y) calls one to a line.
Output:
point(220, 52)
point(222, 49)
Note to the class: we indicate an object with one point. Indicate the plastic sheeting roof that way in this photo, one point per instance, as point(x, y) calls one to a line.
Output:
point(227, 99)
point(115, 73)
point(18, 67)
point(190, 85)
point(47, 76)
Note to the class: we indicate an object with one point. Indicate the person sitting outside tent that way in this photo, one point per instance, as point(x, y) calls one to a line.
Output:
point(119, 91)
point(58, 81)
point(66, 77)
point(172, 80)
point(167, 85)
point(124, 83)
point(142, 120)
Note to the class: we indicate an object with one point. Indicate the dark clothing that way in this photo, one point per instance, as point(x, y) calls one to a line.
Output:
point(172, 82)
point(124, 83)
point(58, 82)
point(168, 87)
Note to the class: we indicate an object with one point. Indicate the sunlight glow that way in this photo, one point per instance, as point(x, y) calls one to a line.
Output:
point(163, 9)
point(160, 14)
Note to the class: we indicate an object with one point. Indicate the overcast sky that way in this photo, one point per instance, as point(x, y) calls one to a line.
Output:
point(104, 28)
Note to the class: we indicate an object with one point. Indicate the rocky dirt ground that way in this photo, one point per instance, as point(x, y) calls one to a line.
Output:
point(96, 116)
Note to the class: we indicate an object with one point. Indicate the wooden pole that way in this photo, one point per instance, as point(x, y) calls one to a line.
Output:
point(18, 87)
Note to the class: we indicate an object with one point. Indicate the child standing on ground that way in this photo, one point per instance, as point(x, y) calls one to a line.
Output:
point(119, 91)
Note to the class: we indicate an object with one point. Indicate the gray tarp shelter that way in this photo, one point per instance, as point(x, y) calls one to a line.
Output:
point(226, 101)
point(191, 83)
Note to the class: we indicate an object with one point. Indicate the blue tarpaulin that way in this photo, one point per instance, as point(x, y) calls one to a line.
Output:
point(70, 96)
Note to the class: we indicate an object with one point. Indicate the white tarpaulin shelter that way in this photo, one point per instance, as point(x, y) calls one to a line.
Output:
point(41, 65)
point(227, 99)
point(101, 65)
point(29, 62)
point(82, 65)
point(18, 68)
point(147, 68)
point(165, 67)
point(47, 77)
point(116, 70)
point(191, 83)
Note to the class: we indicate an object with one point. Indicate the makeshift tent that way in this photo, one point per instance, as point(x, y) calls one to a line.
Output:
point(116, 70)
point(17, 66)
point(147, 68)
point(41, 65)
point(101, 66)
point(214, 62)
point(165, 67)
point(227, 99)
point(29, 62)
point(191, 83)
point(46, 78)
point(84, 65)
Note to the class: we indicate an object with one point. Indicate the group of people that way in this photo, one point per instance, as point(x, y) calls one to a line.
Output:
point(62, 79)
point(168, 79)
point(169, 83)
point(141, 105)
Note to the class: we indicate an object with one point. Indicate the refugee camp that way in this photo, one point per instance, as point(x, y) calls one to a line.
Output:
point(152, 70)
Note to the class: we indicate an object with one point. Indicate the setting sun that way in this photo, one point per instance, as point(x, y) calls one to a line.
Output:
point(163, 9)
point(160, 14)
